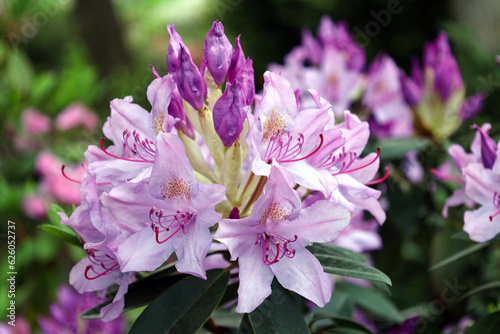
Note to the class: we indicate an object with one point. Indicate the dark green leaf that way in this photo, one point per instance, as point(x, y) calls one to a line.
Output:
point(457, 256)
point(277, 314)
point(52, 212)
point(371, 300)
point(344, 325)
point(344, 267)
point(396, 148)
point(489, 324)
point(326, 249)
point(184, 307)
point(63, 232)
point(486, 286)
point(245, 325)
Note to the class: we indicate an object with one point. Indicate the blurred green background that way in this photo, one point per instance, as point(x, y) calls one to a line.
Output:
point(56, 52)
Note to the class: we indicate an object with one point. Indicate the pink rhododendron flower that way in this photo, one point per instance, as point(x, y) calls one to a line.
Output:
point(76, 115)
point(271, 242)
point(34, 122)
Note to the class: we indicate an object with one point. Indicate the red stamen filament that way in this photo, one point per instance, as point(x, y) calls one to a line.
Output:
point(443, 176)
point(358, 168)
point(309, 155)
point(107, 271)
point(67, 177)
point(281, 243)
point(157, 232)
point(496, 203)
point(382, 179)
point(76, 181)
point(117, 157)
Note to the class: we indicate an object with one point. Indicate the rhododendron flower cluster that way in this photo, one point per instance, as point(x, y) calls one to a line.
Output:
point(479, 178)
point(206, 167)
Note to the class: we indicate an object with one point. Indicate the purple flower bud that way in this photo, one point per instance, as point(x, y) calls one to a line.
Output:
point(174, 48)
point(488, 148)
point(176, 109)
point(411, 91)
point(447, 78)
point(472, 106)
point(237, 60)
point(217, 52)
point(246, 80)
point(189, 80)
point(312, 47)
point(229, 114)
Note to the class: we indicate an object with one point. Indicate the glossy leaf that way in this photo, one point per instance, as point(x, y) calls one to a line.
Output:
point(371, 300)
point(457, 256)
point(326, 249)
point(343, 325)
point(277, 314)
point(63, 232)
point(345, 267)
point(184, 307)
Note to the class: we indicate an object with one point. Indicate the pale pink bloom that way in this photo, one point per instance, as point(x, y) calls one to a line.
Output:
point(35, 122)
point(35, 206)
point(76, 115)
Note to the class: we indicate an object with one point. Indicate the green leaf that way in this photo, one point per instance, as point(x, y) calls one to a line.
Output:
point(489, 324)
point(371, 300)
point(141, 292)
point(277, 314)
point(457, 256)
point(397, 148)
point(344, 267)
point(63, 232)
point(343, 325)
point(484, 287)
point(52, 212)
point(326, 249)
point(184, 307)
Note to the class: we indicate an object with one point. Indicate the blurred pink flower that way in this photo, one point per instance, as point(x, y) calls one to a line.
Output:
point(76, 115)
point(21, 327)
point(35, 206)
point(35, 122)
point(53, 181)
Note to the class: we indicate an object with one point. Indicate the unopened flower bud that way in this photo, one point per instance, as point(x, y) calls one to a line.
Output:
point(237, 60)
point(217, 52)
point(189, 80)
point(229, 114)
point(174, 48)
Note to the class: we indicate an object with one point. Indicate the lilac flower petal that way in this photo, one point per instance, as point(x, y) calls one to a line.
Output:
point(172, 176)
point(304, 275)
point(141, 252)
point(478, 225)
point(255, 280)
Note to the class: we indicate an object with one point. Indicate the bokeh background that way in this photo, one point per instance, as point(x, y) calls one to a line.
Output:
point(56, 53)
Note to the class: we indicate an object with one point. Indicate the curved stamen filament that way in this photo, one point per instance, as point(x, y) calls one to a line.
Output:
point(99, 260)
point(66, 176)
point(496, 203)
point(76, 181)
point(117, 157)
point(358, 168)
point(309, 155)
point(171, 224)
point(443, 176)
point(275, 247)
point(382, 179)
point(281, 148)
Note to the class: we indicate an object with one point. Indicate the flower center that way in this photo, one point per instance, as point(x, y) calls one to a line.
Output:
point(170, 225)
point(274, 247)
point(102, 264)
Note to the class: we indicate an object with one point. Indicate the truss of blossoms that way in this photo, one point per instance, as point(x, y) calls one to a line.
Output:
point(215, 176)
point(220, 200)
